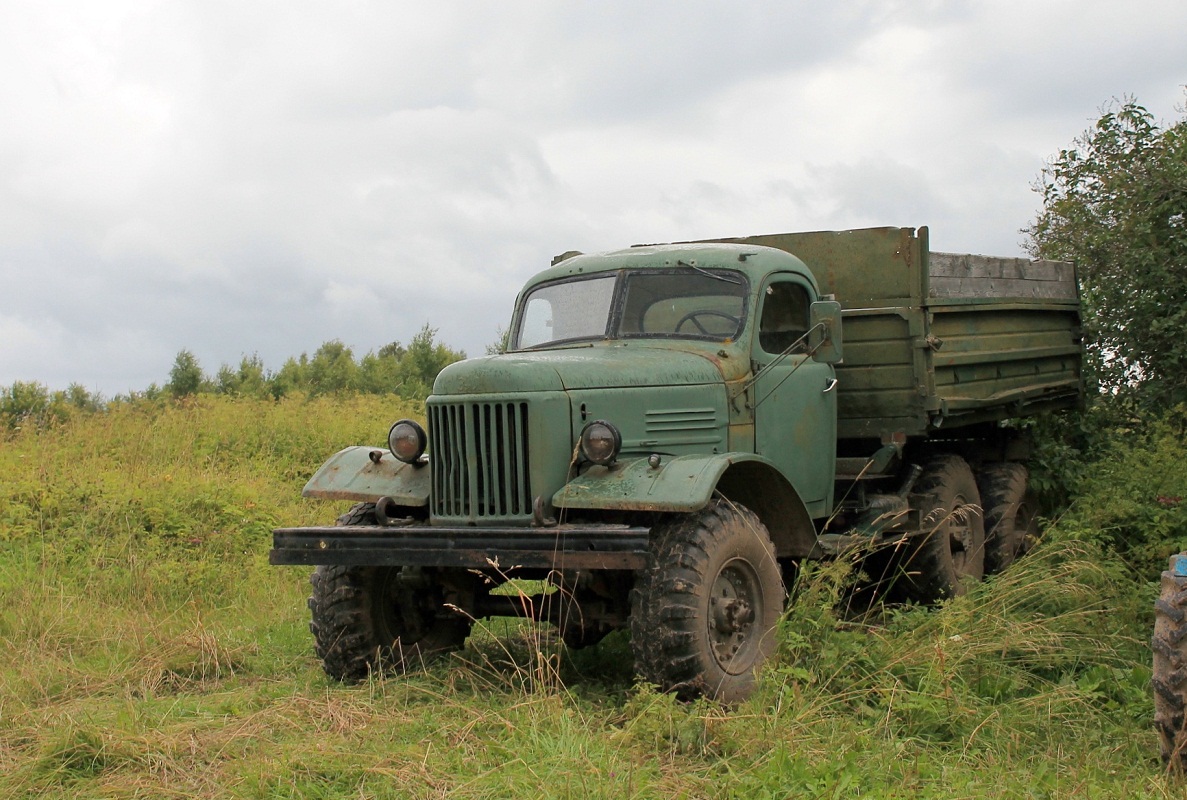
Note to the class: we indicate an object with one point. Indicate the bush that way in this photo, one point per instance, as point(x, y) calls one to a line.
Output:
point(1132, 498)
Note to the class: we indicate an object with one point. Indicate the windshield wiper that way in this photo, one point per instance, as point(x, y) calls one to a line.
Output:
point(708, 273)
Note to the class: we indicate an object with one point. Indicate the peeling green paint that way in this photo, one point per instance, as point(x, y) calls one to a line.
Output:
point(367, 473)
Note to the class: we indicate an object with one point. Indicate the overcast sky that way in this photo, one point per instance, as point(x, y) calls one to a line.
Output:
point(261, 177)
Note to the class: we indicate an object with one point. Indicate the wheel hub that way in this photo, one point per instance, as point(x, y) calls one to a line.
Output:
point(734, 604)
point(732, 616)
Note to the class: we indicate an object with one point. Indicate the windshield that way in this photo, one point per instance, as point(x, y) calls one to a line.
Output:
point(562, 311)
point(689, 303)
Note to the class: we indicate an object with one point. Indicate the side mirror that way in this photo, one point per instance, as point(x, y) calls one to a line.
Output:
point(825, 339)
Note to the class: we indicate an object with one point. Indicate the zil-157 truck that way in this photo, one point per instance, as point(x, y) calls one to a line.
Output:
point(675, 427)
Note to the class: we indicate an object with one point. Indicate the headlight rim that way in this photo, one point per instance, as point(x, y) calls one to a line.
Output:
point(422, 440)
point(616, 437)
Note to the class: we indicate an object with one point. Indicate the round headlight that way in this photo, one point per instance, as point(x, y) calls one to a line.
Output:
point(600, 442)
point(407, 441)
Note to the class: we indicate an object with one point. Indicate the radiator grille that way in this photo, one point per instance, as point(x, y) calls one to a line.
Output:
point(479, 458)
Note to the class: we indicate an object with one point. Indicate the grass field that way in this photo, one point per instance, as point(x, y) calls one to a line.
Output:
point(148, 650)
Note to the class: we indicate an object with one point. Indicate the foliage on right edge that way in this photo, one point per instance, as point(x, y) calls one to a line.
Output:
point(1115, 202)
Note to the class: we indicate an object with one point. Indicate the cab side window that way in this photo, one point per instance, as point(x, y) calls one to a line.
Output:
point(784, 318)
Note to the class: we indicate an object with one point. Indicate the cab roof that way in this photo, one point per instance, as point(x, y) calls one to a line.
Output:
point(753, 261)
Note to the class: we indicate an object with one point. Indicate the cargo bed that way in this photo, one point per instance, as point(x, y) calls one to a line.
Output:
point(939, 339)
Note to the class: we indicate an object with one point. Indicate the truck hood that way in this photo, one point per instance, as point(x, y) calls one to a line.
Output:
point(617, 365)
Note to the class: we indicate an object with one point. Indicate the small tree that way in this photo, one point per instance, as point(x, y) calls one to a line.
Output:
point(332, 369)
point(292, 377)
point(186, 378)
point(380, 373)
point(24, 401)
point(1116, 203)
point(423, 361)
point(247, 381)
point(393, 350)
point(77, 396)
point(502, 342)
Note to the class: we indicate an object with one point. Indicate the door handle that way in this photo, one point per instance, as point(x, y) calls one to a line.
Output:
point(832, 384)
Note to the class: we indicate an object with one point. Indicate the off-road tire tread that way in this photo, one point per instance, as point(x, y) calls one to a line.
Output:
point(346, 635)
point(1003, 485)
point(1169, 680)
point(359, 514)
point(340, 611)
point(930, 575)
point(667, 627)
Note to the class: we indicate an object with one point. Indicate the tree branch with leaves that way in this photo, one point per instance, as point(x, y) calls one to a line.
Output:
point(1115, 202)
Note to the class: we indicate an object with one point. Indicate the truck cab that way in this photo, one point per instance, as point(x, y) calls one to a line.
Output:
point(678, 358)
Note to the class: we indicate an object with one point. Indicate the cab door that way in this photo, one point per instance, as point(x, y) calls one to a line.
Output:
point(794, 398)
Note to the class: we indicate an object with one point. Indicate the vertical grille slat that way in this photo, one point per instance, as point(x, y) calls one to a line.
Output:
point(524, 499)
point(449, 438)
point(436, 445)
point(512, 476)
point(495, 418)
point(460, 447)
point(479, 460)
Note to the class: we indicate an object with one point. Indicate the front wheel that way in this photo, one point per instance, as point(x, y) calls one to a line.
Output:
point(703, 614)
point(373, 619)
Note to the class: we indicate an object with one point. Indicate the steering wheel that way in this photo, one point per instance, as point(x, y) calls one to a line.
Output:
point(691, 316)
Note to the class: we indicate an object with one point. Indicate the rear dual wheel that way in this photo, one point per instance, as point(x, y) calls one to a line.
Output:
point(949, 553)
point(1011, 521)
point(973, 526)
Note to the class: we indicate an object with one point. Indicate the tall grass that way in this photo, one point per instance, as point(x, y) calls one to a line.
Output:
point(148, 650)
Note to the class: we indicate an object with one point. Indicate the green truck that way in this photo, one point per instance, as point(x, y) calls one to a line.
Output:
point(676, 427)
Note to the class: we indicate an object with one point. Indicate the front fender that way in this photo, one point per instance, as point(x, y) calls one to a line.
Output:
point(681, 483)
point(354, 474)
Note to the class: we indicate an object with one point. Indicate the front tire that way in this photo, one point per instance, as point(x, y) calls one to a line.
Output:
point(703, 615)
point(1170, 667)
point(359, 514)
point(374, 619)
point(371, 619)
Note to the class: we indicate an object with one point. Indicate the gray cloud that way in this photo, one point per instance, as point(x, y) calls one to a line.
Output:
point(260, 178)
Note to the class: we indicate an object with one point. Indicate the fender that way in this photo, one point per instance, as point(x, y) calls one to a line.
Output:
point(369, 473)
point(686, 483)
point(680, 483)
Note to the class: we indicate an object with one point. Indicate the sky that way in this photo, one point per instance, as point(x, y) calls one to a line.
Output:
point(257, 178)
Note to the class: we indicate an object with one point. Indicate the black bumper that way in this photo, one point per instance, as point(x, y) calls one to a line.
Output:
point(563, 547)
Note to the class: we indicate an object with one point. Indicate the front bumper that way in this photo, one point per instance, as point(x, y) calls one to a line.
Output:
point(562, 547)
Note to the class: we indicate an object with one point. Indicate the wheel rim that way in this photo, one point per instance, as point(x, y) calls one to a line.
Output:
point(1026, 528)
point(959, 535)
point(398, 614)
point(735, 606)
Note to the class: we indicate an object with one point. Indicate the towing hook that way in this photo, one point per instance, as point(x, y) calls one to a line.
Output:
point(390, 514)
